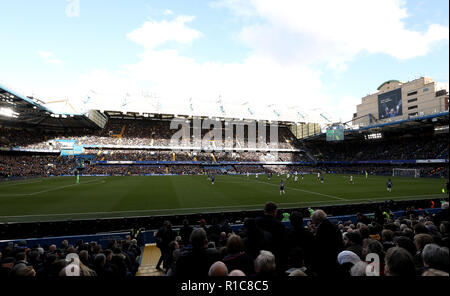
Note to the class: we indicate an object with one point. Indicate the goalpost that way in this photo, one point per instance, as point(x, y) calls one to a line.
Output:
point(406, 173)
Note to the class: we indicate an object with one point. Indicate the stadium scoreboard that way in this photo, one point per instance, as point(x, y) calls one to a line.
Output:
point(335, 133)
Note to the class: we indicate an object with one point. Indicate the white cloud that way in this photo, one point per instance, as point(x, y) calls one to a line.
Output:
point(287, 38)
point(333, 31)
point(259, 80)
point(49, 57)
point(167, 12)
point(241, 8)
point(175, 79)
point(153, 33)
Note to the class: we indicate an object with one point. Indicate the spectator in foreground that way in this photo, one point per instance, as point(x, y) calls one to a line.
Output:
point(297, 272)
point(237, 258)
point(236, 272)
point(421, 240)
point(346, 260)
point(434, 272)
point(445, 230)
point(353, 242)
point(359, 269)
point(296, 261)
point(328, 242)
point(218, 269)
point(255, 239)
point(271, 224)
point(372, 246)
point(300, 237)
point(435, 257)
point(163, 237)
point(196, 261)
point(265, 265)
point(6, 265)
point(185, 232)
point(399, 262)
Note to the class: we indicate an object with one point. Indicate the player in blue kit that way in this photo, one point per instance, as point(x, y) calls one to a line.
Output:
point(282, 188)
point(389, 185)
point(212, 179)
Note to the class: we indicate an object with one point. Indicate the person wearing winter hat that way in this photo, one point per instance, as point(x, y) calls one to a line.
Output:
point(346, 260)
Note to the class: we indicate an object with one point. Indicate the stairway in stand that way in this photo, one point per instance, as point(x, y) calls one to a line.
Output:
point(149, 260)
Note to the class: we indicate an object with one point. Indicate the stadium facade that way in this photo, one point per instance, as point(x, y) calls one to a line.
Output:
point(395, 100)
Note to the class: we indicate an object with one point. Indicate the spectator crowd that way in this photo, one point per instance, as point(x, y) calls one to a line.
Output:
point(118, 259)
point(411, 245)
point(382, 245)
point(141, 133)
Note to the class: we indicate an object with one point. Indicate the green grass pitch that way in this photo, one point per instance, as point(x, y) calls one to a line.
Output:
point(60, 198)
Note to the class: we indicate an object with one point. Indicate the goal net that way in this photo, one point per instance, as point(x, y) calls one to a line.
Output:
point(406, 173)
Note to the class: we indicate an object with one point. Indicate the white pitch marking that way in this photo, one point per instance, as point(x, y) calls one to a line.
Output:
point(52, 189)
point(219, 207)
point(327, 195)
point(19, 183)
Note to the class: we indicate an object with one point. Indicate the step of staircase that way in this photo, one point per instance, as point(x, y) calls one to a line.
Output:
point(149, 260)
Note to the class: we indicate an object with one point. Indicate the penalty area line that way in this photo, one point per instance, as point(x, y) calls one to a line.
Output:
point(51, 189)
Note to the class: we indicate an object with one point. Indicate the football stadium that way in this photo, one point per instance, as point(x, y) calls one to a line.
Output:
point(128, 185)
point(74, 178)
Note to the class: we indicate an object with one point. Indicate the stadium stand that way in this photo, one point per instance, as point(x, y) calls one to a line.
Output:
point(376, 157)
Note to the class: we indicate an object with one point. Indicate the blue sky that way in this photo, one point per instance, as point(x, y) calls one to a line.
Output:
point(308, 54)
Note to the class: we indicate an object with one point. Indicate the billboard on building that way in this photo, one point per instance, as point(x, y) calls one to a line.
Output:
point(390, 104)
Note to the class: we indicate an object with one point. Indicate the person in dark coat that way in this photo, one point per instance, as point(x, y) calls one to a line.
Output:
point(445, 230)
point(362, 219)
point(255, 239)
point(300, 237)
point(213, 231)
point(236, 258)
point(271, 224)
point(328, 243)
point(185, 232)
point(196, 261)
point(443, 215)
point(353, 242)
point(6, 265)
point(163, 237)
point(102, 268)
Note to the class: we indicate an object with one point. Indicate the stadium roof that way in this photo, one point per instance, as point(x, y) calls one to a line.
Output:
point(21, 111)
point(389, 81)
point(440, 120)
point(20, 104)
point(140, 103)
